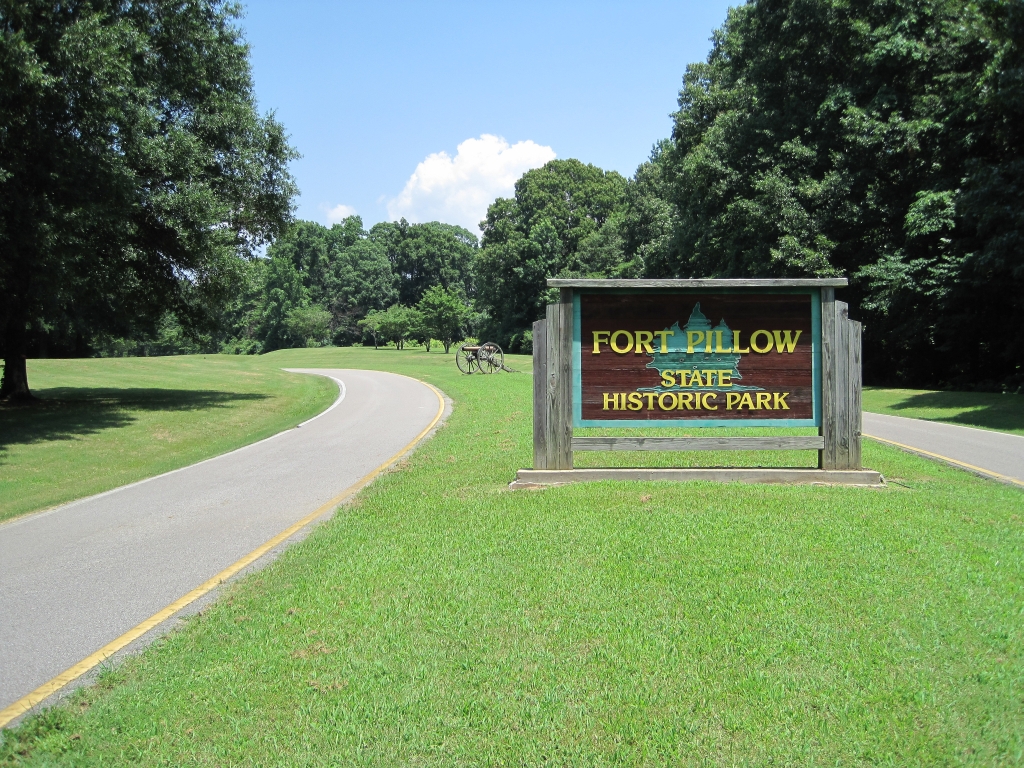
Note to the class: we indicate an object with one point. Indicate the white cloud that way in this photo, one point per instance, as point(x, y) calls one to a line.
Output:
point(338, 212)
point(457, 190)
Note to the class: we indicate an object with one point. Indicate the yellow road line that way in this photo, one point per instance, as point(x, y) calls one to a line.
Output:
point(939, 456)
point(25, 703)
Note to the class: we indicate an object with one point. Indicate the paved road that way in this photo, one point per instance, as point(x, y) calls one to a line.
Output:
point(77, 577)
point(997, 452)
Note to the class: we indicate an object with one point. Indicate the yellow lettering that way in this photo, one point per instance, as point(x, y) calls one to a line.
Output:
point(613, 399)
point(706, 397)
point(731, 398)
point(664, 339)
point(780, 401)
point(629, 342)
point(643, 341)
point(736, 343)
point(650, 400)
point(693, 337)
point(708, 338)
point(661, 401)
point(668, 378)
point(785, 339)
point(725, 378)
point(753, 342)
point(635, 401)
point(746, 401)
point(764, 400)
point(695, 376)
point(718, 343)
point(685, 400)
point(598, 341)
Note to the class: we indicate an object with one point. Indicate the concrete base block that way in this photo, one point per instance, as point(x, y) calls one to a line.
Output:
point(535, 478)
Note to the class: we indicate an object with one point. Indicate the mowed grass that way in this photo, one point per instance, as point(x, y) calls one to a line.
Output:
point(986, 410)
point(100, 424)
point(444, 620)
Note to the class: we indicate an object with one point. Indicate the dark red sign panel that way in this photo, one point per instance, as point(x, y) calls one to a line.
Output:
point(709, 359)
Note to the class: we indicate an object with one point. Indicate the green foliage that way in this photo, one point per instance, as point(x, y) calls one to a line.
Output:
point(312, 323)
point(444, 316)
point(135, 171)
point(876, 140)
point(425, 255)
point(338, 270)
point(397, 324)
point(560, 223)
point(372, 324)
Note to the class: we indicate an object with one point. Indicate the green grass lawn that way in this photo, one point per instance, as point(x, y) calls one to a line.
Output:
point(104, 423)
point(441, 619)
point(986, 410)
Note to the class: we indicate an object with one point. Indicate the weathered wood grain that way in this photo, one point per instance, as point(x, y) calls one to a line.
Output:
point(551, 321)
point(559, 390)
point(830, 282)
point(784, 443)
point(540, 383)
point(527, 478)
point(563, 425)
point(828, 457)
point(854, 386)
point(842, 400)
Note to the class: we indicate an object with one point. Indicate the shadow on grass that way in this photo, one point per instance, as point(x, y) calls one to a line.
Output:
point(975, 409)
point(66, 413)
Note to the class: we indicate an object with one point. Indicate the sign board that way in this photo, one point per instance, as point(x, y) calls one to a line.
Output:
point(697, 353)
point(701, 358)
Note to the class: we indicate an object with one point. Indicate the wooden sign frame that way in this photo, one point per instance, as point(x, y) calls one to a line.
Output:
point(837, 383)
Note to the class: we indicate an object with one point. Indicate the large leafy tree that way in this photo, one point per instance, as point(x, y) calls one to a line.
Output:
point(560, 223)
point(339, 269)
point(444, 316)
point(424, 255)
point(135, 170)
point(879, 139)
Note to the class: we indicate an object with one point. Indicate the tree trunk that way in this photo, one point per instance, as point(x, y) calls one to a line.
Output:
point(15, 382)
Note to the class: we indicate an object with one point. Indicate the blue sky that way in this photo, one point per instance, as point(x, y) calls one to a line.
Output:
point(373, 93)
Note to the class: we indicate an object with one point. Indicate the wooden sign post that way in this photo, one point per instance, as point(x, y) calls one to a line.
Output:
point(697, 353)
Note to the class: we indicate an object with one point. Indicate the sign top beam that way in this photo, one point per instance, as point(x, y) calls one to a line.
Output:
point(812, 282)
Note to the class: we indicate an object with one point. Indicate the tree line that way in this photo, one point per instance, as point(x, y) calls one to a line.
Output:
point(879, 141)
point(873, 139)
point(335, 286)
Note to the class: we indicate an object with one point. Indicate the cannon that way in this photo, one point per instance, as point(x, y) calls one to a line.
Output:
point(485, 358)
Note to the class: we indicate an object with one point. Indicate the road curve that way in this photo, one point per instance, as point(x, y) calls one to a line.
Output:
point(996, 453)
point(74, 578)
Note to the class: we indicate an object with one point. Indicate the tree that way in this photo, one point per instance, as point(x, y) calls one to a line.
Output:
point(444, 316)
point(398, 323)
point(135, 170)
point(283, 293)
point(361, 280)
point(878, 140)
point(311, 323)
point(373, 323)
point(553, 227)
point(424, 255)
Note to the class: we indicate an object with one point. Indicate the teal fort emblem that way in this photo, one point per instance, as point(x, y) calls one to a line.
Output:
point(698, 367)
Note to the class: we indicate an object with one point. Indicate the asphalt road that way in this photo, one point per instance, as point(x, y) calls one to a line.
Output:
point(75, 578)
point(997, 452)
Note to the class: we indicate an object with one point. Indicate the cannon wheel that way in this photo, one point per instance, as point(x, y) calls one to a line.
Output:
point(466, 359)
point(490, 358)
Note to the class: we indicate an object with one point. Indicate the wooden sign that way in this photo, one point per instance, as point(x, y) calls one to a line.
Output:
point(697, 358)
point(697, 353)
